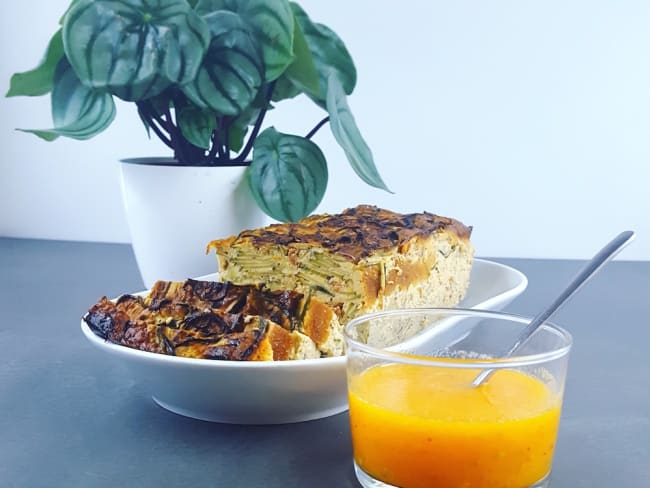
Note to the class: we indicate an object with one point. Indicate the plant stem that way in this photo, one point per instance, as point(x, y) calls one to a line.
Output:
point(169, 133)
point(256, 128)
point(161, 135)
point(156, 116)
point(177, 138)
point(318, 126)
point(219, 146)
point(186, 152)
point(212, 155)
point(151, 121)
point(226, 138)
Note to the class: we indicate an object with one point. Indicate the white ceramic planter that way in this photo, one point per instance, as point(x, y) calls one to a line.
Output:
point(174, 211)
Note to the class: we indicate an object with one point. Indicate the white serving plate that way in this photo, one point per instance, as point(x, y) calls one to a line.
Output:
point(275, 392)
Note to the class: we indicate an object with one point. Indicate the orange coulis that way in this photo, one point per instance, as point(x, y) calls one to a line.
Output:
point(416, 426)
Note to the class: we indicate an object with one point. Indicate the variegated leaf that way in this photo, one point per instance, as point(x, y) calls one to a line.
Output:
point(134, 48)
point(78, 111)
point(232, 71)
point(288, 175)
point(196, 125)
point(272, 22)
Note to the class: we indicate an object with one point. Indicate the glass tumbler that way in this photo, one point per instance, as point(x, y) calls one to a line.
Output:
point(418, 422)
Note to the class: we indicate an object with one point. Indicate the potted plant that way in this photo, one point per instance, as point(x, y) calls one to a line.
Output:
point(203, 74)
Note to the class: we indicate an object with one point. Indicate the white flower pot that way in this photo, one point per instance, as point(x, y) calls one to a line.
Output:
point(174, 211)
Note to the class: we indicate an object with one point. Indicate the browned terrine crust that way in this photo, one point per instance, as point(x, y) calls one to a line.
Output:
point(215, 320)
point(355, 233)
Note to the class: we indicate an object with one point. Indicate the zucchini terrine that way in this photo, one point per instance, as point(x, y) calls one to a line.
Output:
point(215, 320)
point(363, 260)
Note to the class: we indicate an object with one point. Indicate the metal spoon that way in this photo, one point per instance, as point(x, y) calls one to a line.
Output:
point(590, 269)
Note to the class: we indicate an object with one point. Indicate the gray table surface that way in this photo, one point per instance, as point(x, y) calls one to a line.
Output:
point(71, 417)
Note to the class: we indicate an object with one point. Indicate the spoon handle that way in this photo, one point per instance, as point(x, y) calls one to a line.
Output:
point(594, 265)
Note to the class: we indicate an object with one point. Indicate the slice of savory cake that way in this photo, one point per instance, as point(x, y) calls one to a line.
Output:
point(362, 260)
point(214, 320)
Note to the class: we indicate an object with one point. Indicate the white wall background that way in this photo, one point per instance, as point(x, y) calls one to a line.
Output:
point(529, 120)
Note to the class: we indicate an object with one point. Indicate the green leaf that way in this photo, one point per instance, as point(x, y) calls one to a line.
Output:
point(196, 125)
point(248, 116)
point(348, 136)
point(38, 81)
point(236, 136)
point(329, 54)
point(232, 72)
point(66, 11)
point(302, 71)
point(284, 89)
point(132, 48)
point(272, 24)
point(46, 134)
point(78, 112)
point(301, 75)
point(288, 175)
point(240, 125)
point(141, 91)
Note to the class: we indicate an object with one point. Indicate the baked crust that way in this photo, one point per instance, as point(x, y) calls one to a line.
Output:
point(364, 259)
point(215, 320)
point(354, 234)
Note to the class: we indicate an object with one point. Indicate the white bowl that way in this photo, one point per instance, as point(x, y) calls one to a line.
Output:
point(275, 392)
